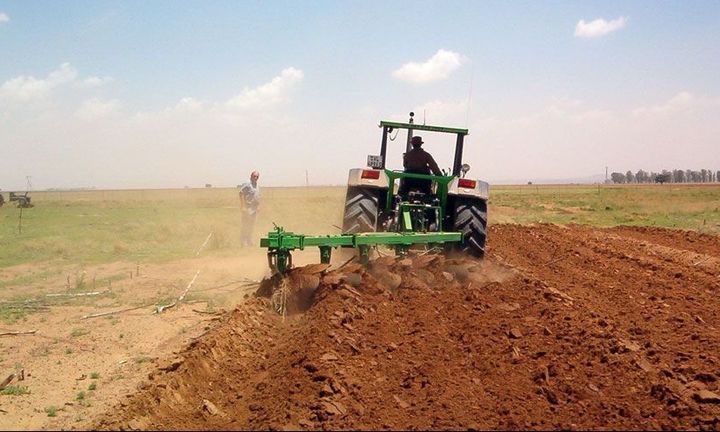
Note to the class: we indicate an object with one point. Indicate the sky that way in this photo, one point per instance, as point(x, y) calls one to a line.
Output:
point(138, 94)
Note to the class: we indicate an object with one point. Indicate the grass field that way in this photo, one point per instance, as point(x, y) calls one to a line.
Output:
point(142, 226)
point(694, 207)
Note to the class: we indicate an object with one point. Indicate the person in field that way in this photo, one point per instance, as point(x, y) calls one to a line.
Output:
point(418, 161)
point(249, 205)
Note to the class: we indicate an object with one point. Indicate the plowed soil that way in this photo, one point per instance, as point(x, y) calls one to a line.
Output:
point(560, 327)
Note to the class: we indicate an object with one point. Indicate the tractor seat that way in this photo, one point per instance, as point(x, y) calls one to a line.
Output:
point(418, 186)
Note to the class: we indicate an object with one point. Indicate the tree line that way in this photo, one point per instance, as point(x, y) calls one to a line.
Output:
point(665, 176)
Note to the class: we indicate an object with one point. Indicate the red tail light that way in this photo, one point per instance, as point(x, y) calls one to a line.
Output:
point(467, 184)
point(371, 174)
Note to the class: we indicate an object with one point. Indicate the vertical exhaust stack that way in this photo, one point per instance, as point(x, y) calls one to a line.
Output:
point(410, 132)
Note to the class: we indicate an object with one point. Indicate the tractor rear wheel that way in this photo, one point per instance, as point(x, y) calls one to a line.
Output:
point(361, 210)
point(471, 220)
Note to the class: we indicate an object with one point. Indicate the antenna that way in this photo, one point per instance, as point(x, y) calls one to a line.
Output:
point(470, 90)
point(28, 184)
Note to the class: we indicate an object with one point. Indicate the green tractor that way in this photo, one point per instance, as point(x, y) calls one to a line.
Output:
point(397, 209)
point(379, 199)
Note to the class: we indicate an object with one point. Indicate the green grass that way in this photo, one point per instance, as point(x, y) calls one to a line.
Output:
point(18, 307)
point(77, 332)
point(141, 359)
point(14, 390)
point(25, 278)
point(94, 375)
point(51, 411)
point(92, 386)
point(10, 314)
point(671, 206)
point(150, 226)
point(80, 396)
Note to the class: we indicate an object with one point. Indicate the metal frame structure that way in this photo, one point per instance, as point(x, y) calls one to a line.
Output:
point(281, 243)
point(459, 142)
point(442, 187)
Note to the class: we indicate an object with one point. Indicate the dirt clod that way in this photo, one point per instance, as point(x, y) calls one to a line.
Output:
point(706, 396)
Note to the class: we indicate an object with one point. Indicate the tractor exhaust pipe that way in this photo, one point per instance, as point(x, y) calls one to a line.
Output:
point(408, 147)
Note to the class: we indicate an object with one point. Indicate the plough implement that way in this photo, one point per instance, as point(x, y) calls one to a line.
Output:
point(281, 243)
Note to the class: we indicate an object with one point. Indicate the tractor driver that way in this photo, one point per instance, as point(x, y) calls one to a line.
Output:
point(418, 161)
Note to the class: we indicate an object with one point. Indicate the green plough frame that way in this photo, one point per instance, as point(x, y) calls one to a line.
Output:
point(281, 243)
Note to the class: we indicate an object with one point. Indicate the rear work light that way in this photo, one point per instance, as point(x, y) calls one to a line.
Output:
point(467, 184)
point(370, 174)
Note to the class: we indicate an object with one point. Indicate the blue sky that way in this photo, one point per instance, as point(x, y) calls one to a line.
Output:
point(164, 94)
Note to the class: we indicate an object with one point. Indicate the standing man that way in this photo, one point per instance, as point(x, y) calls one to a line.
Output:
point(249, 204)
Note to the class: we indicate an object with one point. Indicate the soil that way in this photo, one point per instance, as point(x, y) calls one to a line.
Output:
point(559, 327)
point(61, 359)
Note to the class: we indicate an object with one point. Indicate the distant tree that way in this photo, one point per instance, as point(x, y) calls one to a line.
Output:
point(703, 175)
point(617, 178)
point(663, 178)
point(641, 176)
point(629, 177)
point(679, 176)
point(668, 175)
point(688, 176)
point(717, 176)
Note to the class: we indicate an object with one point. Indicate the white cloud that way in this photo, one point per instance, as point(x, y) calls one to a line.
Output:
point(4, 18)
point(95, 81)
point(598, 27)
point(437, 67)
point(188, 104)
point(94, 109)
point(683, 101)
point(272, 93)
point(25, 88)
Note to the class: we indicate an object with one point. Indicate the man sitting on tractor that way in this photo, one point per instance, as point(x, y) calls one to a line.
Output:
point(418, 161)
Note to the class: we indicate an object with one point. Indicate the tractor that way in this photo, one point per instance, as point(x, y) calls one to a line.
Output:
point(398, 209)
point(379, 199)
point(23, 200)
